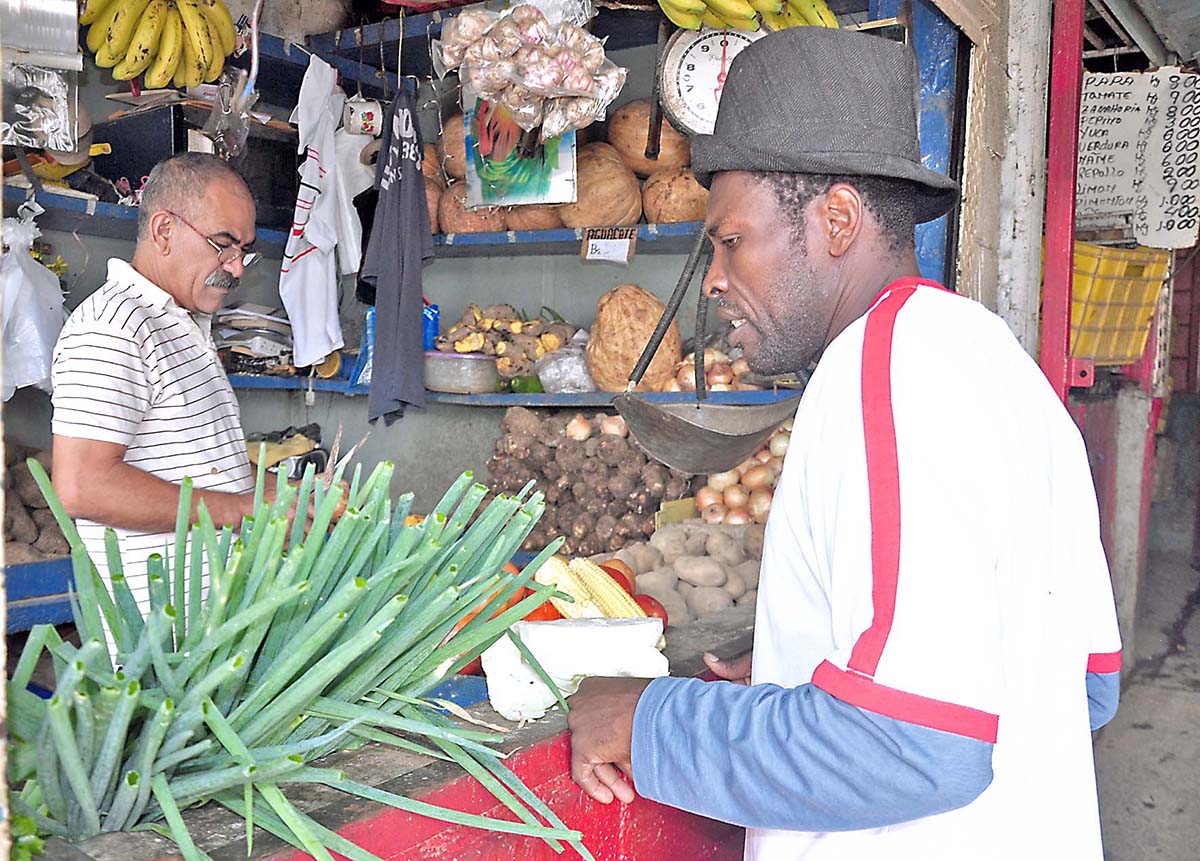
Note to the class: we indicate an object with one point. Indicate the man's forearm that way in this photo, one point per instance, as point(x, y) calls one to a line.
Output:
point(126, 497)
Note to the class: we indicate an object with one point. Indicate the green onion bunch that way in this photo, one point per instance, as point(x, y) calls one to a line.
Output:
point(310, 638)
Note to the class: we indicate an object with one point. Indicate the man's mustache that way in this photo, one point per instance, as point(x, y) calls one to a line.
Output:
point(222, 280)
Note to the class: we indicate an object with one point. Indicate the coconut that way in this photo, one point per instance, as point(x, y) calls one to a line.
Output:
point(606, 191)
point(625, 319)
point(451, 148)
point(533, 217)
point(454, 217)
point(674, 195)
point(628, 130)
point(433, 196)
point(432, 167)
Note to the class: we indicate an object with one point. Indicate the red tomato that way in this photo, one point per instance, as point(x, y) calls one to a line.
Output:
point(544, 613)
point(652, 606)
point(624, 580)
point(475, 668)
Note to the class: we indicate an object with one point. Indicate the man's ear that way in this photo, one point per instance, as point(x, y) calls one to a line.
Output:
point(162, 226)
point(840, 217)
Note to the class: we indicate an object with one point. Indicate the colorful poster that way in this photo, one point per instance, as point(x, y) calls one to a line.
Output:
point(499, 175)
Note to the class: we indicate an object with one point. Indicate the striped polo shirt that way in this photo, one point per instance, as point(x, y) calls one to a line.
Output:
point(134, 368)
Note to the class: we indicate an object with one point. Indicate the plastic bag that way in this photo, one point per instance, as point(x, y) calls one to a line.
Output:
point(361, 374)
point(33, 310)
point(39, 107)
point(565, 370)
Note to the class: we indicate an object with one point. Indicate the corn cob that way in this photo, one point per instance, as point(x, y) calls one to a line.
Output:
point(597, 595)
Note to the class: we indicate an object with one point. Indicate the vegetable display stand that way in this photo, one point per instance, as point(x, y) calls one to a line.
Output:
point(643, 830)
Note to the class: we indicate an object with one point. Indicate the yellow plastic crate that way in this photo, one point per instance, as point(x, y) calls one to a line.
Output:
point(1114, 294)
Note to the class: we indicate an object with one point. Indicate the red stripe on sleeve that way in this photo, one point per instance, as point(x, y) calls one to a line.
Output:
point(883, 477)
point(1109, 662)
point(935, 714)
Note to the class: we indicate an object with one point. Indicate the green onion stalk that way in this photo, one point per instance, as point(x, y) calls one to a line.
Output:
point(312, 636)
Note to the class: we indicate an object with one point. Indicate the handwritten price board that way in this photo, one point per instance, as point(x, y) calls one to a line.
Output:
point(610, 244)
point(1139, 155)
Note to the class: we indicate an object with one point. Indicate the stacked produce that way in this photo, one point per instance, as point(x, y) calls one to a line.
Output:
point(721, 373)
point(695, 569)
point(743, 494)
point(600, 489)
point(747, 14)
point(185, 41)
point(606, 190)
point(30, 531)
point(309, 638)
point(498, 330)
point(552, 76)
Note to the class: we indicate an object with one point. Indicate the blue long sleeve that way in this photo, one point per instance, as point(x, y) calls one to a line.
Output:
point(796, 759)
point(1104, 694)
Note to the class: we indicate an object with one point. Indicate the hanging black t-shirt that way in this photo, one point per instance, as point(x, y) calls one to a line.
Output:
point(399, 245)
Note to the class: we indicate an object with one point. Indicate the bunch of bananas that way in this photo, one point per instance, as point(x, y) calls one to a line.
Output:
point(185, 41)
point(749, 15)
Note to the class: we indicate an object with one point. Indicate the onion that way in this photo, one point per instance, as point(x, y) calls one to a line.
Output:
point(748, 463)
point(719, 373)
point(738, 517)
point(720, 387)
point(775, 469)
point(787, 426)
point(762, 455)
point(579, 428)
point(614, 425)
point(736, 496)
point(686, 376)
point(756, 478)
point(719, 481)
point(672, 385)
point(715, 357)
point(779, 443)
point(740, 366)
point(714, 514)
point(760, 504)
point(707, 496)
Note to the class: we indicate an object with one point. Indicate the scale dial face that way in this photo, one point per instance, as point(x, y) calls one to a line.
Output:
point(695, 63)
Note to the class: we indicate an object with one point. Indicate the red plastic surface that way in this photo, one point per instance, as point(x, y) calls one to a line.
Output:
point(644, 830)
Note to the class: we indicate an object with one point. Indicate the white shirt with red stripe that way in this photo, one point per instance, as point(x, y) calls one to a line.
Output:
point(933, 555)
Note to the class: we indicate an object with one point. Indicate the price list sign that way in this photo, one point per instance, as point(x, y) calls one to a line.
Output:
point(1139, 156)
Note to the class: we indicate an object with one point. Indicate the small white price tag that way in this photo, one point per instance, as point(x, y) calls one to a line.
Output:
point(611, 244)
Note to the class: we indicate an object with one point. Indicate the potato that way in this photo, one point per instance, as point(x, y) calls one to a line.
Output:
point(697, 540)
point(52, 543)
point(707, 600)
point(677, 609)
point(45, 458)
point(641, 557)
point(44, 518)
point(684, 588)
point(26, 488)
point(753, 540)
point(657, 581)
point(18, 525)
point(748, 572)
point(16, 553)
point(725, 548)
point(750, 598)
point(734, 585)
point(700, 570)
point(670, 542)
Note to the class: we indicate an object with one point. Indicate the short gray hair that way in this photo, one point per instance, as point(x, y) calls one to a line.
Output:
point(178, 184)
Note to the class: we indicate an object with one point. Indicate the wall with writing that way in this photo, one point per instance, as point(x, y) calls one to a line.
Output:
point(1139, 156)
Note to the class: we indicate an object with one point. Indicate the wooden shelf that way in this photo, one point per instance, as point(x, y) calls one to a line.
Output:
point(578, 401)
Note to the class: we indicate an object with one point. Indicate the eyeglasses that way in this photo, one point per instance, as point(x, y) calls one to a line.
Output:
point(225, 253)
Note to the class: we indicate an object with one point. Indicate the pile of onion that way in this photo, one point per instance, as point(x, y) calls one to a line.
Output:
point(743, 494)
point(721, 374)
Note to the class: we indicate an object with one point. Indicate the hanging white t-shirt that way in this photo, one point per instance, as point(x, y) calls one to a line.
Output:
point(308, 278)
point(933, 555)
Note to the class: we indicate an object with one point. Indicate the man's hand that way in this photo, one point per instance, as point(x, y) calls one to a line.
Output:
point(601, 725)
point(736, 670)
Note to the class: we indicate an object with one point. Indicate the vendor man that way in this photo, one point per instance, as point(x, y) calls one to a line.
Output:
point(935, 635)
point(140, 398)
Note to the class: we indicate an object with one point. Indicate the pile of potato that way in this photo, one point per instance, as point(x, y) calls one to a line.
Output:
point(695, 569)
point(30, 531)
point(498, 330)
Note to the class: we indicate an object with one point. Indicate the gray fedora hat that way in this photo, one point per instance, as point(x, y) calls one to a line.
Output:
point(818, 100)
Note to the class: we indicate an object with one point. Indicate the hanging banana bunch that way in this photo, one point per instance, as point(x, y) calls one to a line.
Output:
point(184, 42)
point(748, 15)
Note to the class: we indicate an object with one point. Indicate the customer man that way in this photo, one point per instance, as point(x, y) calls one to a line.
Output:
point(935, 612)
point(140, 398)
